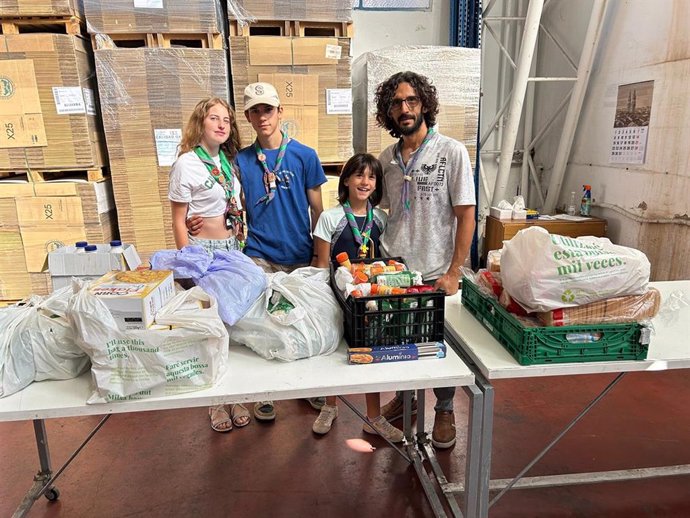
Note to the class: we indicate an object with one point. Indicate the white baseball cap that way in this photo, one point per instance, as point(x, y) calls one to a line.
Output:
point(260, 93)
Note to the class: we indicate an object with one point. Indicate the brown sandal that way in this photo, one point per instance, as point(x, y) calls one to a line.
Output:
point(219, 416)
point(240, 415)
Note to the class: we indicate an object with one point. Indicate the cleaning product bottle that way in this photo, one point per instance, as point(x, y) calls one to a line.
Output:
point(586, 204)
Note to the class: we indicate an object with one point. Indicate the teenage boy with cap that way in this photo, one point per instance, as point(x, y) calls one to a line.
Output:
point(281, 183)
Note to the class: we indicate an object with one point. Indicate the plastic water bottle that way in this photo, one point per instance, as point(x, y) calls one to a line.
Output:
point(80, 246)
point(571, 206)
point(90, 248)
point(116, 247)
point(586, 204)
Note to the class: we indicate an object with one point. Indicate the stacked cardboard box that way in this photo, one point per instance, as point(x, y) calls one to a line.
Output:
point(48, 97)
point(171, 16)
point(303, 48)
point(308, 10)
point(11, 8)
point(312, 76)
point(36, 218)
point(147, 96)
point(453, 70)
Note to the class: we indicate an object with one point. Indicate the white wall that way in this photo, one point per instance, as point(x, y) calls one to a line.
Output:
point(379, 29)
point(648, 205)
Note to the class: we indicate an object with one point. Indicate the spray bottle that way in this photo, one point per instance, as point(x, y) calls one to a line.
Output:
point(586, 204)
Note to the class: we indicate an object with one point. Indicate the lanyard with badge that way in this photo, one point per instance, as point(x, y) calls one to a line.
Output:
point(270, 178)
point(407, 169)
point(226, 179)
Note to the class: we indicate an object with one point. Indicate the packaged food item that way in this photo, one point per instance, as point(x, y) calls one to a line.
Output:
point(134, 297)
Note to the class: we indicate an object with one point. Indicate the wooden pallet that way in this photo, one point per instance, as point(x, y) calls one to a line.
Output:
point(158, 40)
point(31, 24)
point(6, 303)
point(332, 168)
point(36, 176)
point(292, 28)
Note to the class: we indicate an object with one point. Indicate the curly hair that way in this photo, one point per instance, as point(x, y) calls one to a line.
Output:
point(386, 91)
point(359, 163)
point(194, 128)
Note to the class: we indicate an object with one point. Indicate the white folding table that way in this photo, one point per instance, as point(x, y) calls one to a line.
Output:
point(250, 378)
point(489, 360)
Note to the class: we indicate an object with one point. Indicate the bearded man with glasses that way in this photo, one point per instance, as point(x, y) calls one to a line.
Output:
point(428, 188)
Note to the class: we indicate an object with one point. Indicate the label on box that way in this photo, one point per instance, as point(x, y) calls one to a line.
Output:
point(148, 4)
point(334, 51)
point(68, 100)
point(167, 142)
point(89, 101)
point(338, 101)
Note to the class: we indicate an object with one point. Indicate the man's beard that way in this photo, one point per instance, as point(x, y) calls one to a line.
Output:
point(409, 130)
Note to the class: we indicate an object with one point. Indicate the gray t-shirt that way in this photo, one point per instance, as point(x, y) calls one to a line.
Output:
point(442, 179)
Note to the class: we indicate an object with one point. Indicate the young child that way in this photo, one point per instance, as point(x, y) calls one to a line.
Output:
point(204, 182)
point(354, 227)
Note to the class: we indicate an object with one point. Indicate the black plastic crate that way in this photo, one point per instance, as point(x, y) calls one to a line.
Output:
point(397, 319)
point(539, 345)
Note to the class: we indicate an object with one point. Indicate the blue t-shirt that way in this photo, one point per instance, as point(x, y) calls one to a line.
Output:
point(280, 232)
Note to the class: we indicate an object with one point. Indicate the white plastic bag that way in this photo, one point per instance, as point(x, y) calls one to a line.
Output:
point(146, 363)
point(313, 327)
point(37, 343)
point(543, 271)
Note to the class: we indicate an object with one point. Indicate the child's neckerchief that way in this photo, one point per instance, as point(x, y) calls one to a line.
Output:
point(361, 238)
point(270, 176)
point(224, 176)
point(407, 169)
point(226, 179)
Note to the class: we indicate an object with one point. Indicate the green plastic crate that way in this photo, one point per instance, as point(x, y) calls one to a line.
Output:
point(539, 345)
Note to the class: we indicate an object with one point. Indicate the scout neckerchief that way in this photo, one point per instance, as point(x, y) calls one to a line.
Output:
point(226, 179)
point(361, 238)
point(270, 176)
point(407, 169)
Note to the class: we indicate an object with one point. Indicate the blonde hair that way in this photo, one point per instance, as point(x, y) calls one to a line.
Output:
point(195, 128)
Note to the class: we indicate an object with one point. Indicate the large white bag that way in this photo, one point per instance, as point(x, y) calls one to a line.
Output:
point(313, 327)
point(543, 271)
point(37, 343)
point(137, 364)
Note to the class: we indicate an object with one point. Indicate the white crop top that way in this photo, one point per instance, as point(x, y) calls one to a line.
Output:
point(190, 182)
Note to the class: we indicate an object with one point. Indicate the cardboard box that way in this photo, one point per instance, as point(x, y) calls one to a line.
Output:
point(48, 104)
point(57, 214)
point(13, 8)
point(128, 16)
point(64, 263)
point(133, 298)
point(312, 75)
point(313, 10)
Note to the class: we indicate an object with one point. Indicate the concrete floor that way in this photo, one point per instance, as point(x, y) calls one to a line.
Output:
point(170, 463)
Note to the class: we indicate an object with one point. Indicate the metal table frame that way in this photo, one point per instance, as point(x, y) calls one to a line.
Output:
point(416, 448)
point(657, 360)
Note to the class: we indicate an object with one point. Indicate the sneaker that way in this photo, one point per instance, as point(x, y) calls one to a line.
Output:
point(393, 410)
point(264, 411)
point(323, 423)
point(316, 402)
point(443, 435)
point(381, 426)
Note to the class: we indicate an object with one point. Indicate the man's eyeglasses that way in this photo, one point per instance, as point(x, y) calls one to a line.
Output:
point(412, 102)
